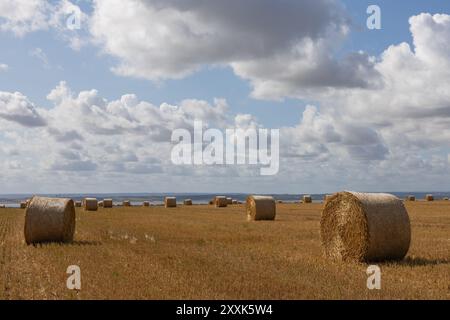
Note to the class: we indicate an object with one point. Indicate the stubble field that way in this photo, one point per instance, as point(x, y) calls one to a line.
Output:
point(201, 252)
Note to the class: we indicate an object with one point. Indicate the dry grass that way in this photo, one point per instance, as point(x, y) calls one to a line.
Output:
point(200, 252)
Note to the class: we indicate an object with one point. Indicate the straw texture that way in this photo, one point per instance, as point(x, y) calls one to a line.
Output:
point(49, 220)
point(365, 227)
point(260, 208)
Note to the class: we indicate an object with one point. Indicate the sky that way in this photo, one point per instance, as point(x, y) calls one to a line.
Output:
point(93, 108)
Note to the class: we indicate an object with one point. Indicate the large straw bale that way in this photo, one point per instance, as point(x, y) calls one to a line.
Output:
point(261, 208)
point(49, 220)
point(365, 227)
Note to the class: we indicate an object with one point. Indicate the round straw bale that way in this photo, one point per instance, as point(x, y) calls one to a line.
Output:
point(126, 203)
point(90, 204)
point(100, 204)
point(2, 206)
point(307, 199)
point(229, 201)
point(188, 202)
point(23, 205)
point(211, 202)
point(108, 203)
point(261, 208)
point(365, 227)
point(235, 202)
point(429, 197)
point(445, 199)
point(170, 202)
point(49, 220)
point(327, 197)
point(78, 204)
point(221, 202)
point(146, 203)
point(411, 198)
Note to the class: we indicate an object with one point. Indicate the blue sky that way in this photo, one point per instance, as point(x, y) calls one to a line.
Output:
point(88, 68)
point(247, 91)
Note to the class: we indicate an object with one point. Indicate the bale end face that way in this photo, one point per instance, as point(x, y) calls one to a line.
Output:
point(49, 220)
point(365, 227)
point(429, 197)
point(260, 208)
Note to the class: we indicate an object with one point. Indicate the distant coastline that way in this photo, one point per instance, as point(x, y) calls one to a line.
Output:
point(13, 200)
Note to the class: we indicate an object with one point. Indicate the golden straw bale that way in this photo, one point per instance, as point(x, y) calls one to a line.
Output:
point(221, 202)
point(365, 227)
point(187, 202)
point(429, 197)
point(108, 203)
point(261, 208)
point(307, 199)
point(170, 202)
point(90, 204)
point(49, 220)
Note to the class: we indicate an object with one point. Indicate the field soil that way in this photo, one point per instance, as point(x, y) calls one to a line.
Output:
point(200, 252)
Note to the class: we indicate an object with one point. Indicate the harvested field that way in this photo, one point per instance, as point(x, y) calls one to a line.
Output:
point(201, 253)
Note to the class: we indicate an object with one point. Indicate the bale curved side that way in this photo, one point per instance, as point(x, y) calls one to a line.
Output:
point(261, 208)
point(108, 203)
point(49, 220)
point(221, 202)
point(365, 227)
point(187, 202)
point(170, 202)
point(307, 199)
point(90, 204)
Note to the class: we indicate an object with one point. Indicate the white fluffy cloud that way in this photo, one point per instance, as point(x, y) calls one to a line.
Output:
point(23, 16)
point(157, 40)
point(376, 119)
point(17, 108)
